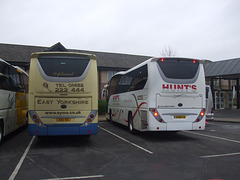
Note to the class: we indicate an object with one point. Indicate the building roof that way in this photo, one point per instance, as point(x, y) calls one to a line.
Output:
point(21, 53)
point(18, 53)
point(223, 69)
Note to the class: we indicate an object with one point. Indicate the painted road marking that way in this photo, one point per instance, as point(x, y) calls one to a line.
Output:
point(221, 155)
point(21, 160)
point(215, 137)
point(220, 138)
point(80, 177)
point(150, 152)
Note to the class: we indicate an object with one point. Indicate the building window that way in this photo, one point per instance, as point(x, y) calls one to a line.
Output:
point(217, 84)
point(110, 74)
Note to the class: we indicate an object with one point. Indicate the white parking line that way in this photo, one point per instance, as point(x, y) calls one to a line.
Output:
point(220, 138)
point(215, 137)
point(21, 160)
point(150, 152)
point(221, 155)
point(80, 177)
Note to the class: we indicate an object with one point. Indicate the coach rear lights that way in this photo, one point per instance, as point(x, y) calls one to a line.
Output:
point(200, 116)
point(156, 115)
point(36, 119)
point(90, 118)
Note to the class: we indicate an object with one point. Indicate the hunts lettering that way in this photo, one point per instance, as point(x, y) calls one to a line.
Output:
point(179, 87)
point(116, 98)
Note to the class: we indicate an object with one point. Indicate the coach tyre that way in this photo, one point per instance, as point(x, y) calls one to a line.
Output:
point(110, 116)
point(1, 132)
point(130, 123)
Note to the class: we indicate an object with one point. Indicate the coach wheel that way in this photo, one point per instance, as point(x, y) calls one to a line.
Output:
point(1, 133)
point(26, 119)
point(130, 124)
point(110, 116)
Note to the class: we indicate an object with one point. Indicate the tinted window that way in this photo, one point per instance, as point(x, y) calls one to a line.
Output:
point(139, 78)
point(16, 80)
point(132, 81)
point(113, 85)
point(10, 78)
point(61, 66)
point(123, 85)
point(4, 77)
point(176, 68)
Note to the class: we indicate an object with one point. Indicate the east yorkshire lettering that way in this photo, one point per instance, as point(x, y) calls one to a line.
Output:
point(72, 102)
point(40, 101)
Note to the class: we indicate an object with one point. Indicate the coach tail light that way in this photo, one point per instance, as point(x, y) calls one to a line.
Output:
point(36, 119)
point(90, 118)
point(200, 116)
point(156, 115)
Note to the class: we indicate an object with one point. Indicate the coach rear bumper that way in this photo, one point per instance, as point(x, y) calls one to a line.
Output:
point(62, 129)
point(176, 119)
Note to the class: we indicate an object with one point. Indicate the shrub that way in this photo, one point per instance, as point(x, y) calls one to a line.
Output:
point(102, 107)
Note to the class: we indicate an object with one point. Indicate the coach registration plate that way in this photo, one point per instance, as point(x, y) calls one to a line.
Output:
point(180, 117)
point(63, 120)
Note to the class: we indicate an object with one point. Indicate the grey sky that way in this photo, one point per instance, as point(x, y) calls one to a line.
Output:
point(204, 29)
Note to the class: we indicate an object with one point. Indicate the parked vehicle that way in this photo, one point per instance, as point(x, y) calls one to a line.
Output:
point(160, 94)
point(209, 104)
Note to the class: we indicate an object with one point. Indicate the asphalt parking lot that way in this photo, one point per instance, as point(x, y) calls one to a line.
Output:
point(115, 154)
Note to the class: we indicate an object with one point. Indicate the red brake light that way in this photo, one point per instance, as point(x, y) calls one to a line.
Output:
point(194, 61)
point(162, 60)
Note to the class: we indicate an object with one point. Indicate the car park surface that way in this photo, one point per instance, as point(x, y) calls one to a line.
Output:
point(114, 153)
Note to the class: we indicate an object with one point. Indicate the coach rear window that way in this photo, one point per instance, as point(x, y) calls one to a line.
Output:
point(60, 66)
point(178, 68)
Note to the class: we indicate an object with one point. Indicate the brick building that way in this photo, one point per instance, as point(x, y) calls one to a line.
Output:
point(222, 76)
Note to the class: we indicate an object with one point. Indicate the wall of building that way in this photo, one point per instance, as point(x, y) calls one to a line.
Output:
point(224, 94)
